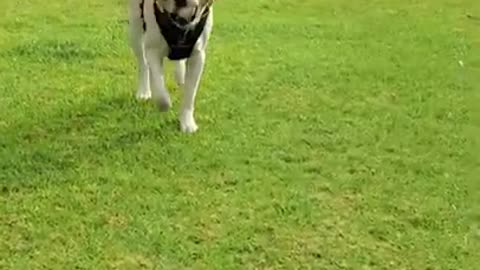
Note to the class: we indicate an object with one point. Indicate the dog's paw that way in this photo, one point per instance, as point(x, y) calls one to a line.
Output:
point(164, 104)
point(179, 80)
point(187, 124)
point(180, 73)
point(143, 95)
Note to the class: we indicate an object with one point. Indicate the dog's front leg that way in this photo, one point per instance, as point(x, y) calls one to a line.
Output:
point(157, 79)
point(193, 75)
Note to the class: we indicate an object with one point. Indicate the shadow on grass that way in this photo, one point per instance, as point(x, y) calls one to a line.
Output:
point(74, 135)
point(48, 51)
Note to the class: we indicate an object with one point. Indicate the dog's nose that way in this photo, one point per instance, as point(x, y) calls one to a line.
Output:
point(181, 21)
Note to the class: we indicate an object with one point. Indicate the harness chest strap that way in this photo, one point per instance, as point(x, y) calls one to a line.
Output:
point(181, 41)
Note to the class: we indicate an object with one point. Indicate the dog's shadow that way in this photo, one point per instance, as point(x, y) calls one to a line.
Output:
point(75, 134)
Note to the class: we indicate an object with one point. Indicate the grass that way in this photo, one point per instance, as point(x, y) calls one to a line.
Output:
point(334, 134)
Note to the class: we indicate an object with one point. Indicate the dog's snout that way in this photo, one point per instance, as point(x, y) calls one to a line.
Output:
point(185, 15)
point(181, 20)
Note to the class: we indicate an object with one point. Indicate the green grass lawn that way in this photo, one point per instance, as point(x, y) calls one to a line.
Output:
point(334, 134)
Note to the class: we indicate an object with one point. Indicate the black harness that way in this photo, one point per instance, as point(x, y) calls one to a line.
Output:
point(181, 41)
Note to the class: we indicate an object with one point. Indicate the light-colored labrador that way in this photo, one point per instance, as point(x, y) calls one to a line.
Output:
point(174, 29)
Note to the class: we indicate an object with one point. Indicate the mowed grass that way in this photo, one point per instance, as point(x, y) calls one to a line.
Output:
point(334, 134)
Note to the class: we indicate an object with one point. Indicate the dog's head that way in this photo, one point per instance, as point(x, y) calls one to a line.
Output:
point(184, 13)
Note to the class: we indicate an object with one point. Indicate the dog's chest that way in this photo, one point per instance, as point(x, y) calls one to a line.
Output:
point(181, 42)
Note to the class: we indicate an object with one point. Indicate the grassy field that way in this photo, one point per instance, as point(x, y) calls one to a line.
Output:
point(334, 134)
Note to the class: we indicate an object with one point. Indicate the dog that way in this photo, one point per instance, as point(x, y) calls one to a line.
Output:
point(178, 30)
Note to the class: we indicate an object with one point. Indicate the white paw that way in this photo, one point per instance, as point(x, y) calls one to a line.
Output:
point(187, 124)
point(143, 95)
point(180, 73)
point(180, 80)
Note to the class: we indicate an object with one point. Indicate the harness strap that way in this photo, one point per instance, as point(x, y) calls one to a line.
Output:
point(181, 41)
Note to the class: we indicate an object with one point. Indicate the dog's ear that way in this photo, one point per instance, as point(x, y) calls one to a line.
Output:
point(160, 4)
point(207, 2)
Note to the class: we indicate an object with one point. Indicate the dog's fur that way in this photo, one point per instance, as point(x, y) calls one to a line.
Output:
point(151, 48)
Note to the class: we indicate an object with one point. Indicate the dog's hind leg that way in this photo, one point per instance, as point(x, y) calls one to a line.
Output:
point(195, 65)
point(180, 73)
point(136, 34)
